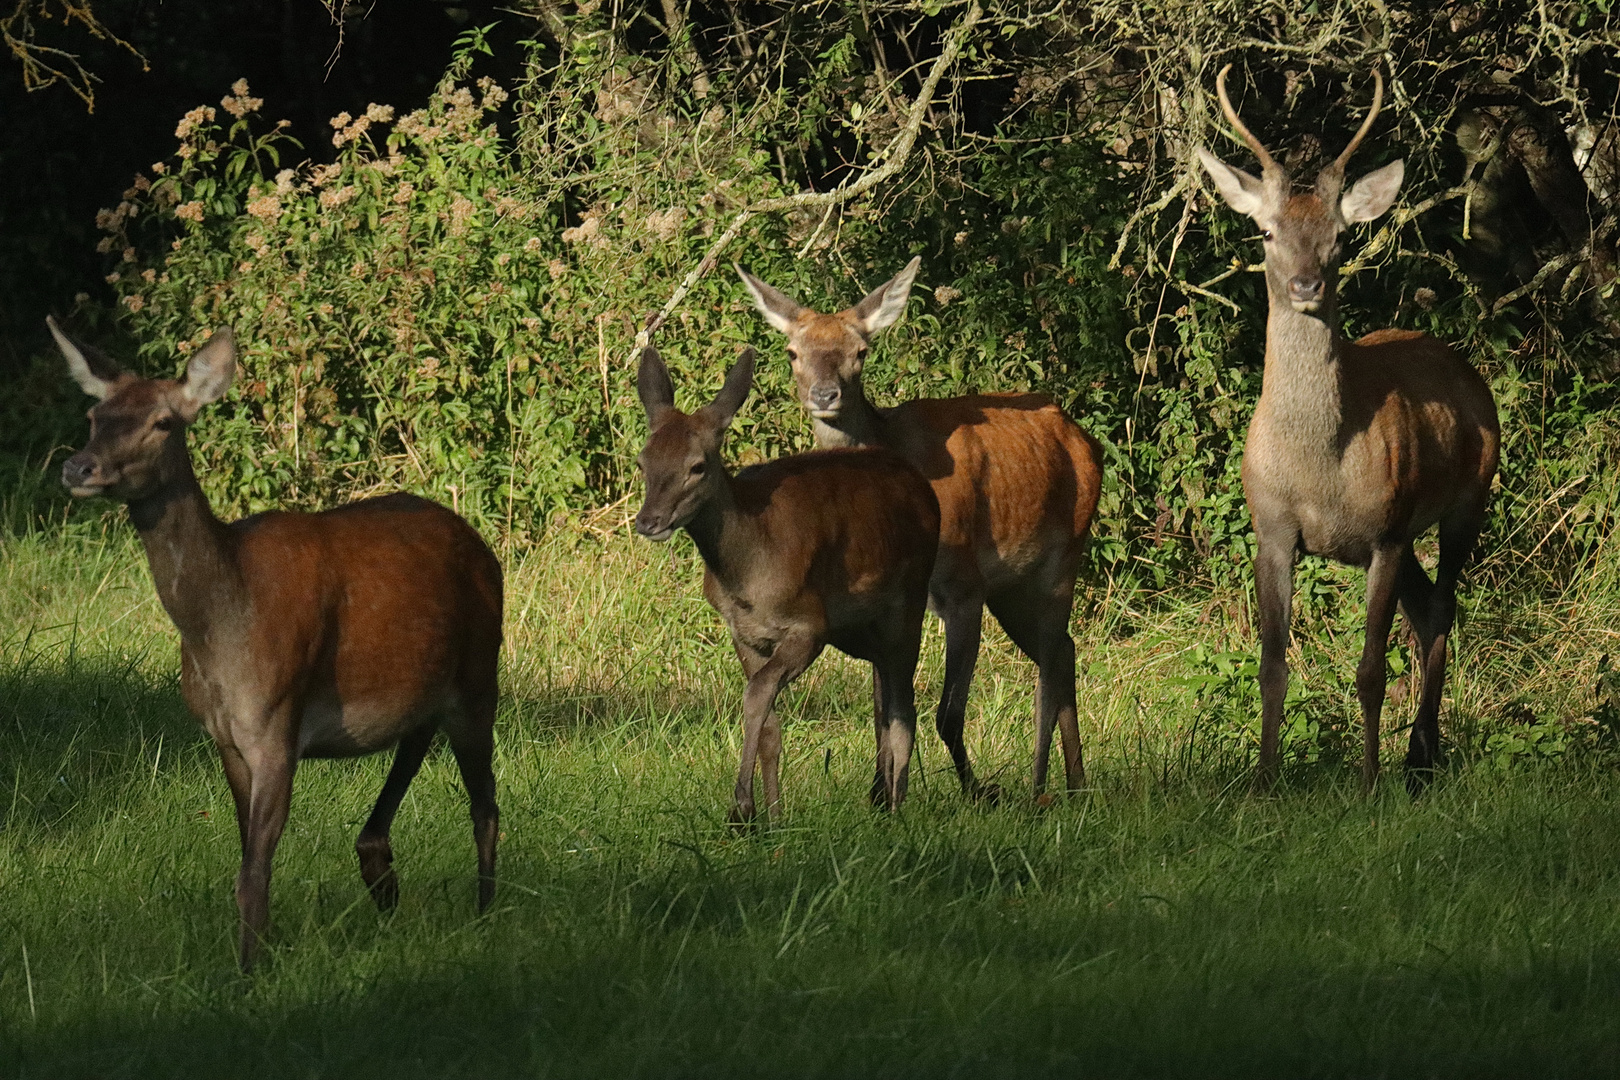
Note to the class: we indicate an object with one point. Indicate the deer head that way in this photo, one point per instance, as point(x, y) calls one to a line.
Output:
point(137, 428)
point(681, 461)
point(1301, 232)
point(828, 352)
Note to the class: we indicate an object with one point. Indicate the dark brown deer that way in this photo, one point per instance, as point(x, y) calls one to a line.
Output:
point(1356, 448)
point(1017, 483)
point(825, 548)
point(333, 634)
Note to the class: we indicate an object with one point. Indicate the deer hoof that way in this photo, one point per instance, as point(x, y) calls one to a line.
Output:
point(385, 891)
point(1418, 780)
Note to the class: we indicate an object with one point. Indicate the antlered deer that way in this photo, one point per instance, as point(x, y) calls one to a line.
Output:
point(1356, 448)
point(1017, 483)
point(832, 547)
point(332, 634)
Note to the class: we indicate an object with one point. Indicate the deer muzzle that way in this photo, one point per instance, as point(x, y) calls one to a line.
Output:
point(824, 400)
point(654, 525)
point(1305, 291)
point(80, 475)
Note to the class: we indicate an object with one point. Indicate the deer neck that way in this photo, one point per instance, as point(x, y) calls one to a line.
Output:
point(858, 423)
point(1300, 391)
point(187, 550)
point(725, 535)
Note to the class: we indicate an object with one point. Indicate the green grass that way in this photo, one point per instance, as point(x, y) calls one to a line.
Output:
point(1167, 923)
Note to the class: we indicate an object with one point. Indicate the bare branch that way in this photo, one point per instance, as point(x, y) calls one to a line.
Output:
point(892, 157)
point(45, 65)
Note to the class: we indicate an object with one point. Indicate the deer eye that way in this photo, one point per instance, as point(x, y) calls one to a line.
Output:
point(697, 469)
point(163, 423)
point(793, 354)
point(1265, 234)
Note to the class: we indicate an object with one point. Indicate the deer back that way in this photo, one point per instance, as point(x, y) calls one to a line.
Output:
point(840, 521)
point(1011, 471)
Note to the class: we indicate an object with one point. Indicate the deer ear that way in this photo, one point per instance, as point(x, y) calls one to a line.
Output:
point(209, 373)
point(739, 380)
point(779, 309)
point(652, 384)
point(885, 304)
point(1242, 192)
point(90, 368)
point(1373, 193)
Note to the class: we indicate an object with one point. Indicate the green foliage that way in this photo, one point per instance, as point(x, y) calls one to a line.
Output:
point(439, 311)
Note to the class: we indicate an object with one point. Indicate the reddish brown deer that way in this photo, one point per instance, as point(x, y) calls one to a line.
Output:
point(332, 634)
point(1356, 448)
point(826, 548)
point(1017, 483)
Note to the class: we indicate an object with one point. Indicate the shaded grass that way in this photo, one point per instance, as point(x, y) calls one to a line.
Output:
point(1166, 923)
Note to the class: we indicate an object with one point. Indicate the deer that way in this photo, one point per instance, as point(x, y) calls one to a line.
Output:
point(1356, 448)
point(1017, 483)
point(302, 635)
point(830, 547)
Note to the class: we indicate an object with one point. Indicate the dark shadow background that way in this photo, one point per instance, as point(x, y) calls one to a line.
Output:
point(60, 163)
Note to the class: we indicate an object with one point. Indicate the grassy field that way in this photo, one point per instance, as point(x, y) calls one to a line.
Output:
point(1166, 923)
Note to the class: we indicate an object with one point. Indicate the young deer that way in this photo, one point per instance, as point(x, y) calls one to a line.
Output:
point(826, 548)
point(302, 635)
point(1356, 448)
point(1017, 483)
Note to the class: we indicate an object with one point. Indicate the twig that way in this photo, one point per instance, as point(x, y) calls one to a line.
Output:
point(1552, 267)
point(1142, 211)
point(1187, 286)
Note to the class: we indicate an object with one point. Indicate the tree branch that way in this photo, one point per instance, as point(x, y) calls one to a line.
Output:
point(892, 157)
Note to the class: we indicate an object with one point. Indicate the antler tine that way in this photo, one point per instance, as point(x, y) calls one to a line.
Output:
point(1366, 125)
point(1266, 162)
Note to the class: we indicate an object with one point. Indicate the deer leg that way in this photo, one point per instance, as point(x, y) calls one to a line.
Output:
point(372, 846)
point(1057, 698)
point(1274, 595)
point(241, 784)
point(881, 771)
point(1418, 604)
point(471, 734)
point(770, 736)
point(770, 757)
point(898, 724)
point(1457, 538)
point(1383, 574)
point(900, 733)
point(1058, 701)
point(963, 619)
point(792, 655)
point(271, 769)
point(1039, 626)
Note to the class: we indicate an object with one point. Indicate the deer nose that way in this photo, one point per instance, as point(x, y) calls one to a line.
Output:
point(78, 470)
point(650, 522)
point(824, 397)
point(1305, 287)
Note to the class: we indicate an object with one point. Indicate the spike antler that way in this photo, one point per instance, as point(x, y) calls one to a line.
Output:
point(1267, 165)
point(1366, 125)
point(1331, 179)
